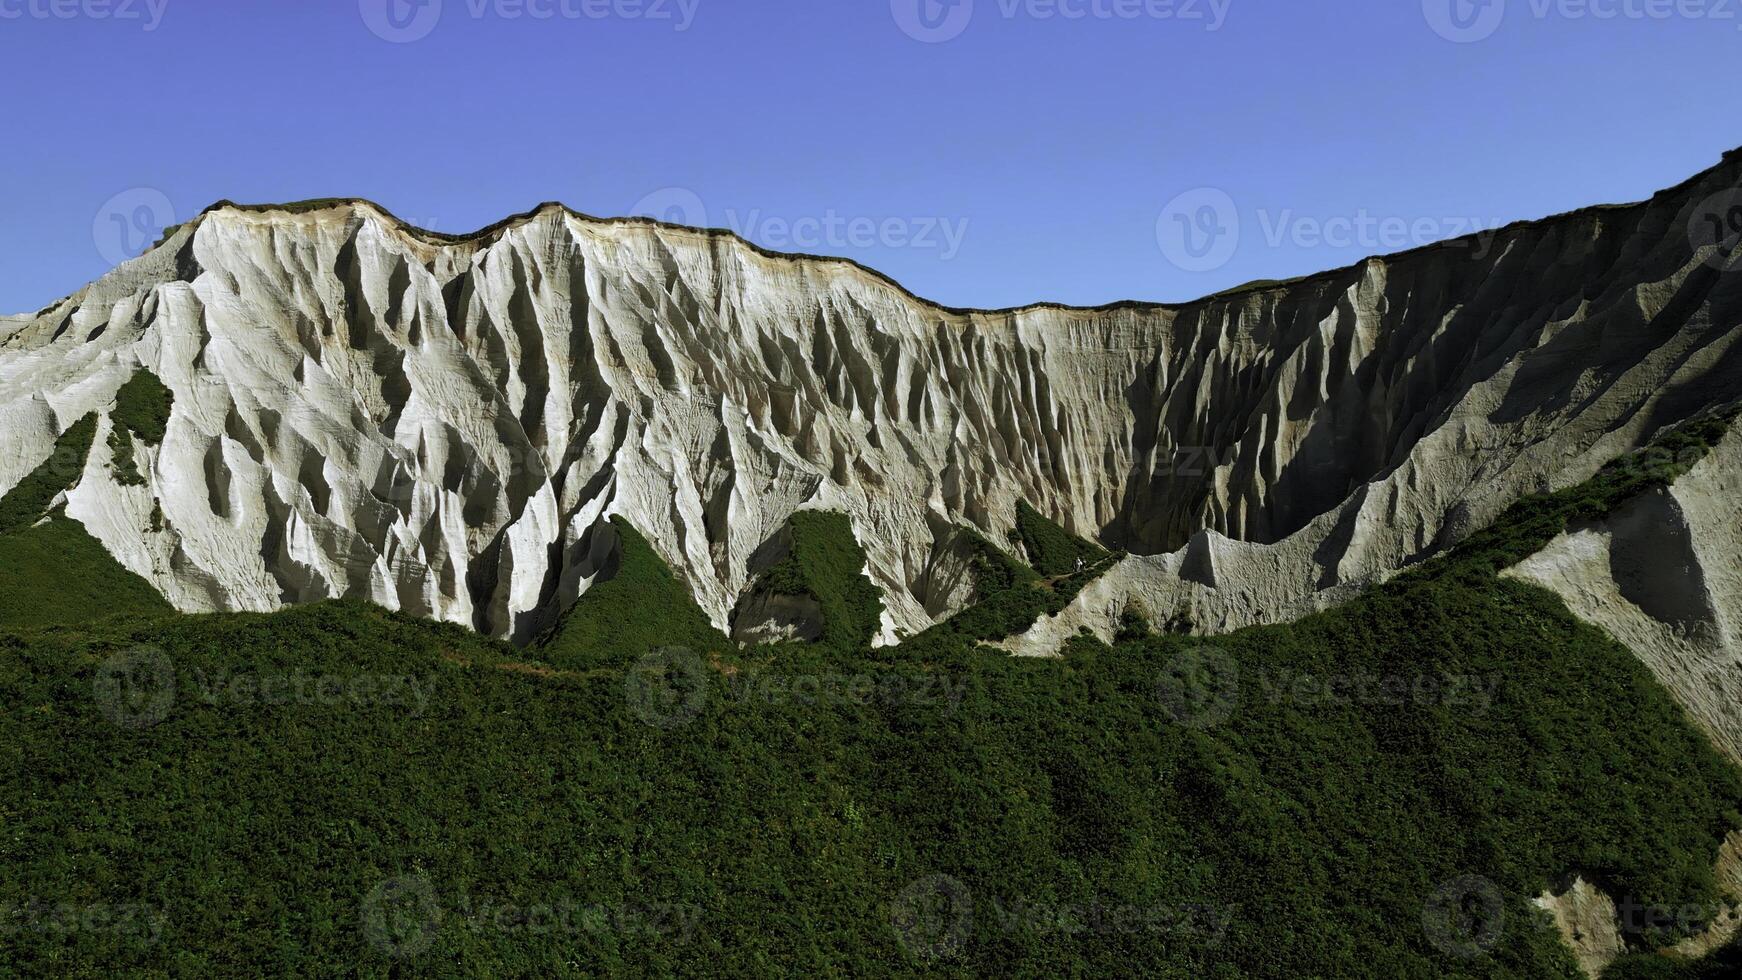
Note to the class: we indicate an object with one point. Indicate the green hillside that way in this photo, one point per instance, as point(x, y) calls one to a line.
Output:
point(826, 563)
point(639, 607)
point(1373, 791)
point(52, 572)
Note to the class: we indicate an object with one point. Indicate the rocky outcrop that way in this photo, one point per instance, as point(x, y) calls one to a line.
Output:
point(774, 618)
point(1662, 575)
point(1588, 923)
point(436, 423)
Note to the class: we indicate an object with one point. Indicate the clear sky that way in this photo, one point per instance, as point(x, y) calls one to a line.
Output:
point(984, 152)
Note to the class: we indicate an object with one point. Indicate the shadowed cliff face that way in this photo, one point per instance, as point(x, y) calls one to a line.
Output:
point(363, 409)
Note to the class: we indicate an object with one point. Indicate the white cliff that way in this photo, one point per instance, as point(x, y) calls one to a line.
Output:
point(435, 423)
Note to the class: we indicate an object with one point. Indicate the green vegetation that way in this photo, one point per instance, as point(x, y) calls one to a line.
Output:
point(993, 569)
point(1534, 521)
point(1009, 597)
point(142, 409)
point(28, 502)
point(1051, 549)
point(1725, 964)
point(143, 405)
point(641, 606)
point(56, 574)
point(122, 461)
point(1167, 807)
point(826, 563)
point(52, 572)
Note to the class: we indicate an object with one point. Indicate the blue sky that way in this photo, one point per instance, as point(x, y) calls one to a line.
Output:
point(985, 153)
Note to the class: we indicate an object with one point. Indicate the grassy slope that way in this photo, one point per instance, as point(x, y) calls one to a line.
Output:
point(28, 502)
point(642, 607)
point(1051, 549)
point(1313, 831)
point(86, 583)
point(54, 572)
point(827, 564)
point(1009, 596)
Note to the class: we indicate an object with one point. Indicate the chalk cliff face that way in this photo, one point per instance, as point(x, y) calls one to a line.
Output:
point(434, 423)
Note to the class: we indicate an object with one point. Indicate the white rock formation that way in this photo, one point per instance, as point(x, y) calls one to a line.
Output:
point(1663, 575)
point(1588, 923)
point(435, 423)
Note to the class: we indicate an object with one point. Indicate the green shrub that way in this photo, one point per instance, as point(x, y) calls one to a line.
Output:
point(1051, 549)
point(28, 502)
point(827, 564)
point(56, 574)
point(642, 607)
point(143, 406)
point(122, 460)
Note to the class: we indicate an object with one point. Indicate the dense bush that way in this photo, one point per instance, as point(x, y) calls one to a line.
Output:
point(143, 406)
point(122, 460)
point(1051, 549)
point(1167, 807)
point(28, 502)
point(826, 563)
point(1009, 598)
point(639, 607)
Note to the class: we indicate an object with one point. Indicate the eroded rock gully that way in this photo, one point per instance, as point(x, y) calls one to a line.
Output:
point(436, 423)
